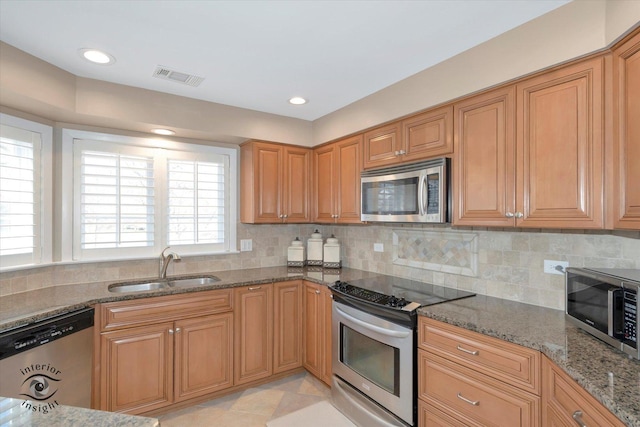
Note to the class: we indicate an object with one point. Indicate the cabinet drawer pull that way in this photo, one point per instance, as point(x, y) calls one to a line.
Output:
point(577, 416)
point(470, 402)
point(473, 353)
point(317, 291)
point(255, 288)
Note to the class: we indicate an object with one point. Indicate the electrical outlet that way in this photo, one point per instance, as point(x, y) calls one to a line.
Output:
point(246, 245)
point(555, 267)
point(378, 247)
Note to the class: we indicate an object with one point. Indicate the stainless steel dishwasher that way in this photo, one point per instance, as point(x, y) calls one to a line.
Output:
point(49, 361)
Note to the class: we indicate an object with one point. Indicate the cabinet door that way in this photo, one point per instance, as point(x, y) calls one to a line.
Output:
point(136, 369)
point(297, 184)
point(253, 353)
point(428, 135)
point(203, 355)
point(287, 326)
point(382, 146)
point(327, 342)
point(268, 183)
point(626, 156)
point(324, 161)
point(313, 334)
point(484, 170)
point(559, 148)
point(349, 166)
point(566, 403)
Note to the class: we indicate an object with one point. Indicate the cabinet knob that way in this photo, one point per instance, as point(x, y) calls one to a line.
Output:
point(280, 216)
point(286, 216)
point(577, 416)
point(509, 215)
point(170, 331)
point(177, 330)
point(403, 152)
point(519, 214)
point(317, 291)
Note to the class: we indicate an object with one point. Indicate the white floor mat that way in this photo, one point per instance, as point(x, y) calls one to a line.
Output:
point(321, 414)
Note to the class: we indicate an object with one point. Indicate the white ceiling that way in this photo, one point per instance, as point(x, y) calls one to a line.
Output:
point(258, 54)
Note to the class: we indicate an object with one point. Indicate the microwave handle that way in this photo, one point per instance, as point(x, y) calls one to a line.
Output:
point(422, 188)
point(611, 307)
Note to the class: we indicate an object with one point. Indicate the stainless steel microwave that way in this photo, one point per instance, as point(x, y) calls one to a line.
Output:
point(417, 192)
point(604, 302)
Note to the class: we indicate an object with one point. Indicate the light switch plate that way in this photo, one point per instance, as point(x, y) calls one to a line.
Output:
point(246, 245)
point(378, 247)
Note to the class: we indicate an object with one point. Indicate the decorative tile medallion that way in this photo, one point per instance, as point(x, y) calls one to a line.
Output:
point(445, 251)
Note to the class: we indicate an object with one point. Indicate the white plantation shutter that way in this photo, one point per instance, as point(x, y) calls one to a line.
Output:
point(22, 191)
point(132, 200)
point(197, 200)
point(115, 199)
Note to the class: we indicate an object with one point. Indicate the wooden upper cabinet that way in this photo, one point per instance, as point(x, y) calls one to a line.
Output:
point(425, 135)
point(626, 140)
point(484, 166)
point(559, 151)
point(544, 168)
point(428, 134)
point(382, 146)
point(337, 168)
point(275, 183)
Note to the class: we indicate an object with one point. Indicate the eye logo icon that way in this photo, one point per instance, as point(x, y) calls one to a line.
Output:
point(41, 387)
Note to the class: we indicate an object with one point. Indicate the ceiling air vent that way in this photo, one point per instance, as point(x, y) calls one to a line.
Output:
point(176, 76)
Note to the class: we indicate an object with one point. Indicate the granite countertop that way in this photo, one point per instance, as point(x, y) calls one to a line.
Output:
point(609, 375)
point(606, 373)
point(21, 413)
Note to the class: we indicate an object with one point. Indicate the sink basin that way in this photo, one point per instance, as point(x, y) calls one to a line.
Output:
point(160, 284)
point(193, 281)
point(137, 287)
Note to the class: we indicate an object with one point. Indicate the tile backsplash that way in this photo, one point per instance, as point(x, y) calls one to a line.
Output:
point(502, 263)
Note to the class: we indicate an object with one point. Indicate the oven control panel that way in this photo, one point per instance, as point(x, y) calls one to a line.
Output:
point(371, 296)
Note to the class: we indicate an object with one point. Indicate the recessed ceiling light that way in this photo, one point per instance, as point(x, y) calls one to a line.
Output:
point(163, 131)
point(97, 56)
point(297, 100)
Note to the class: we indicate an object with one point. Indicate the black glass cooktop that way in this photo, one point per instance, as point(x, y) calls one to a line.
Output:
point(401, 292)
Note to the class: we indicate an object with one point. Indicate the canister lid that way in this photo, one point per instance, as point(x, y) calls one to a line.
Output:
point(332, 240)
point(296, 242)
point(316, 235)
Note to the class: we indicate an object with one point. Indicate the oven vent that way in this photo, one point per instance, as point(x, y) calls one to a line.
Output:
point(176, 76)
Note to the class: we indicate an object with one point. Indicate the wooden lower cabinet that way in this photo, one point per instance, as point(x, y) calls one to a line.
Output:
point(253, 307)
point(317, 331)
point(203, 355)
point(567, 404)
point(287, 326)
point(137, 369)
point(472, 397)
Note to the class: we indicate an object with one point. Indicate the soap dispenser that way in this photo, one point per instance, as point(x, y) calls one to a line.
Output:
point(332, 253)
point(314, 249)
point(296, 256)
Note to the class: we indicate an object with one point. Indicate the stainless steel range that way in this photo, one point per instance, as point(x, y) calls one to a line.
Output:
point(374, 347)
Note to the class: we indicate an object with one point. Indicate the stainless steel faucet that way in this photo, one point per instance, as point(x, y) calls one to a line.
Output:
point(165, 260)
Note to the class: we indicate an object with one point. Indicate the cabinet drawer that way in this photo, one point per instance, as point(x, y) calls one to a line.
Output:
point(511, 363)
point(563, 397)
point(472, 397)
point(120, 314)
point(428, 416)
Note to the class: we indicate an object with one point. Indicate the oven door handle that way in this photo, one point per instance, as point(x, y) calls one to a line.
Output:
point(378, 329)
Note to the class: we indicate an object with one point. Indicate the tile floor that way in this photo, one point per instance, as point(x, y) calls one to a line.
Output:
point(252, 407)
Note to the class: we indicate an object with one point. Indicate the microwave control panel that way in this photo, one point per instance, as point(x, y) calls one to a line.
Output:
point(631, 316)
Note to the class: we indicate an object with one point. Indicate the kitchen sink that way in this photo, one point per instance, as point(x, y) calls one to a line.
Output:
point(193, 281)
point(160, 284)
point(137, 287)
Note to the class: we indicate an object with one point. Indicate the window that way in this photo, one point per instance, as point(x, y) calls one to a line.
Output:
point(132, 197)
point(25, 192)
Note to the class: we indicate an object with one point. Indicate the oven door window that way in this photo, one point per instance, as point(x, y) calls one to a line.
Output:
point(393, 197)
point(373, 360)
